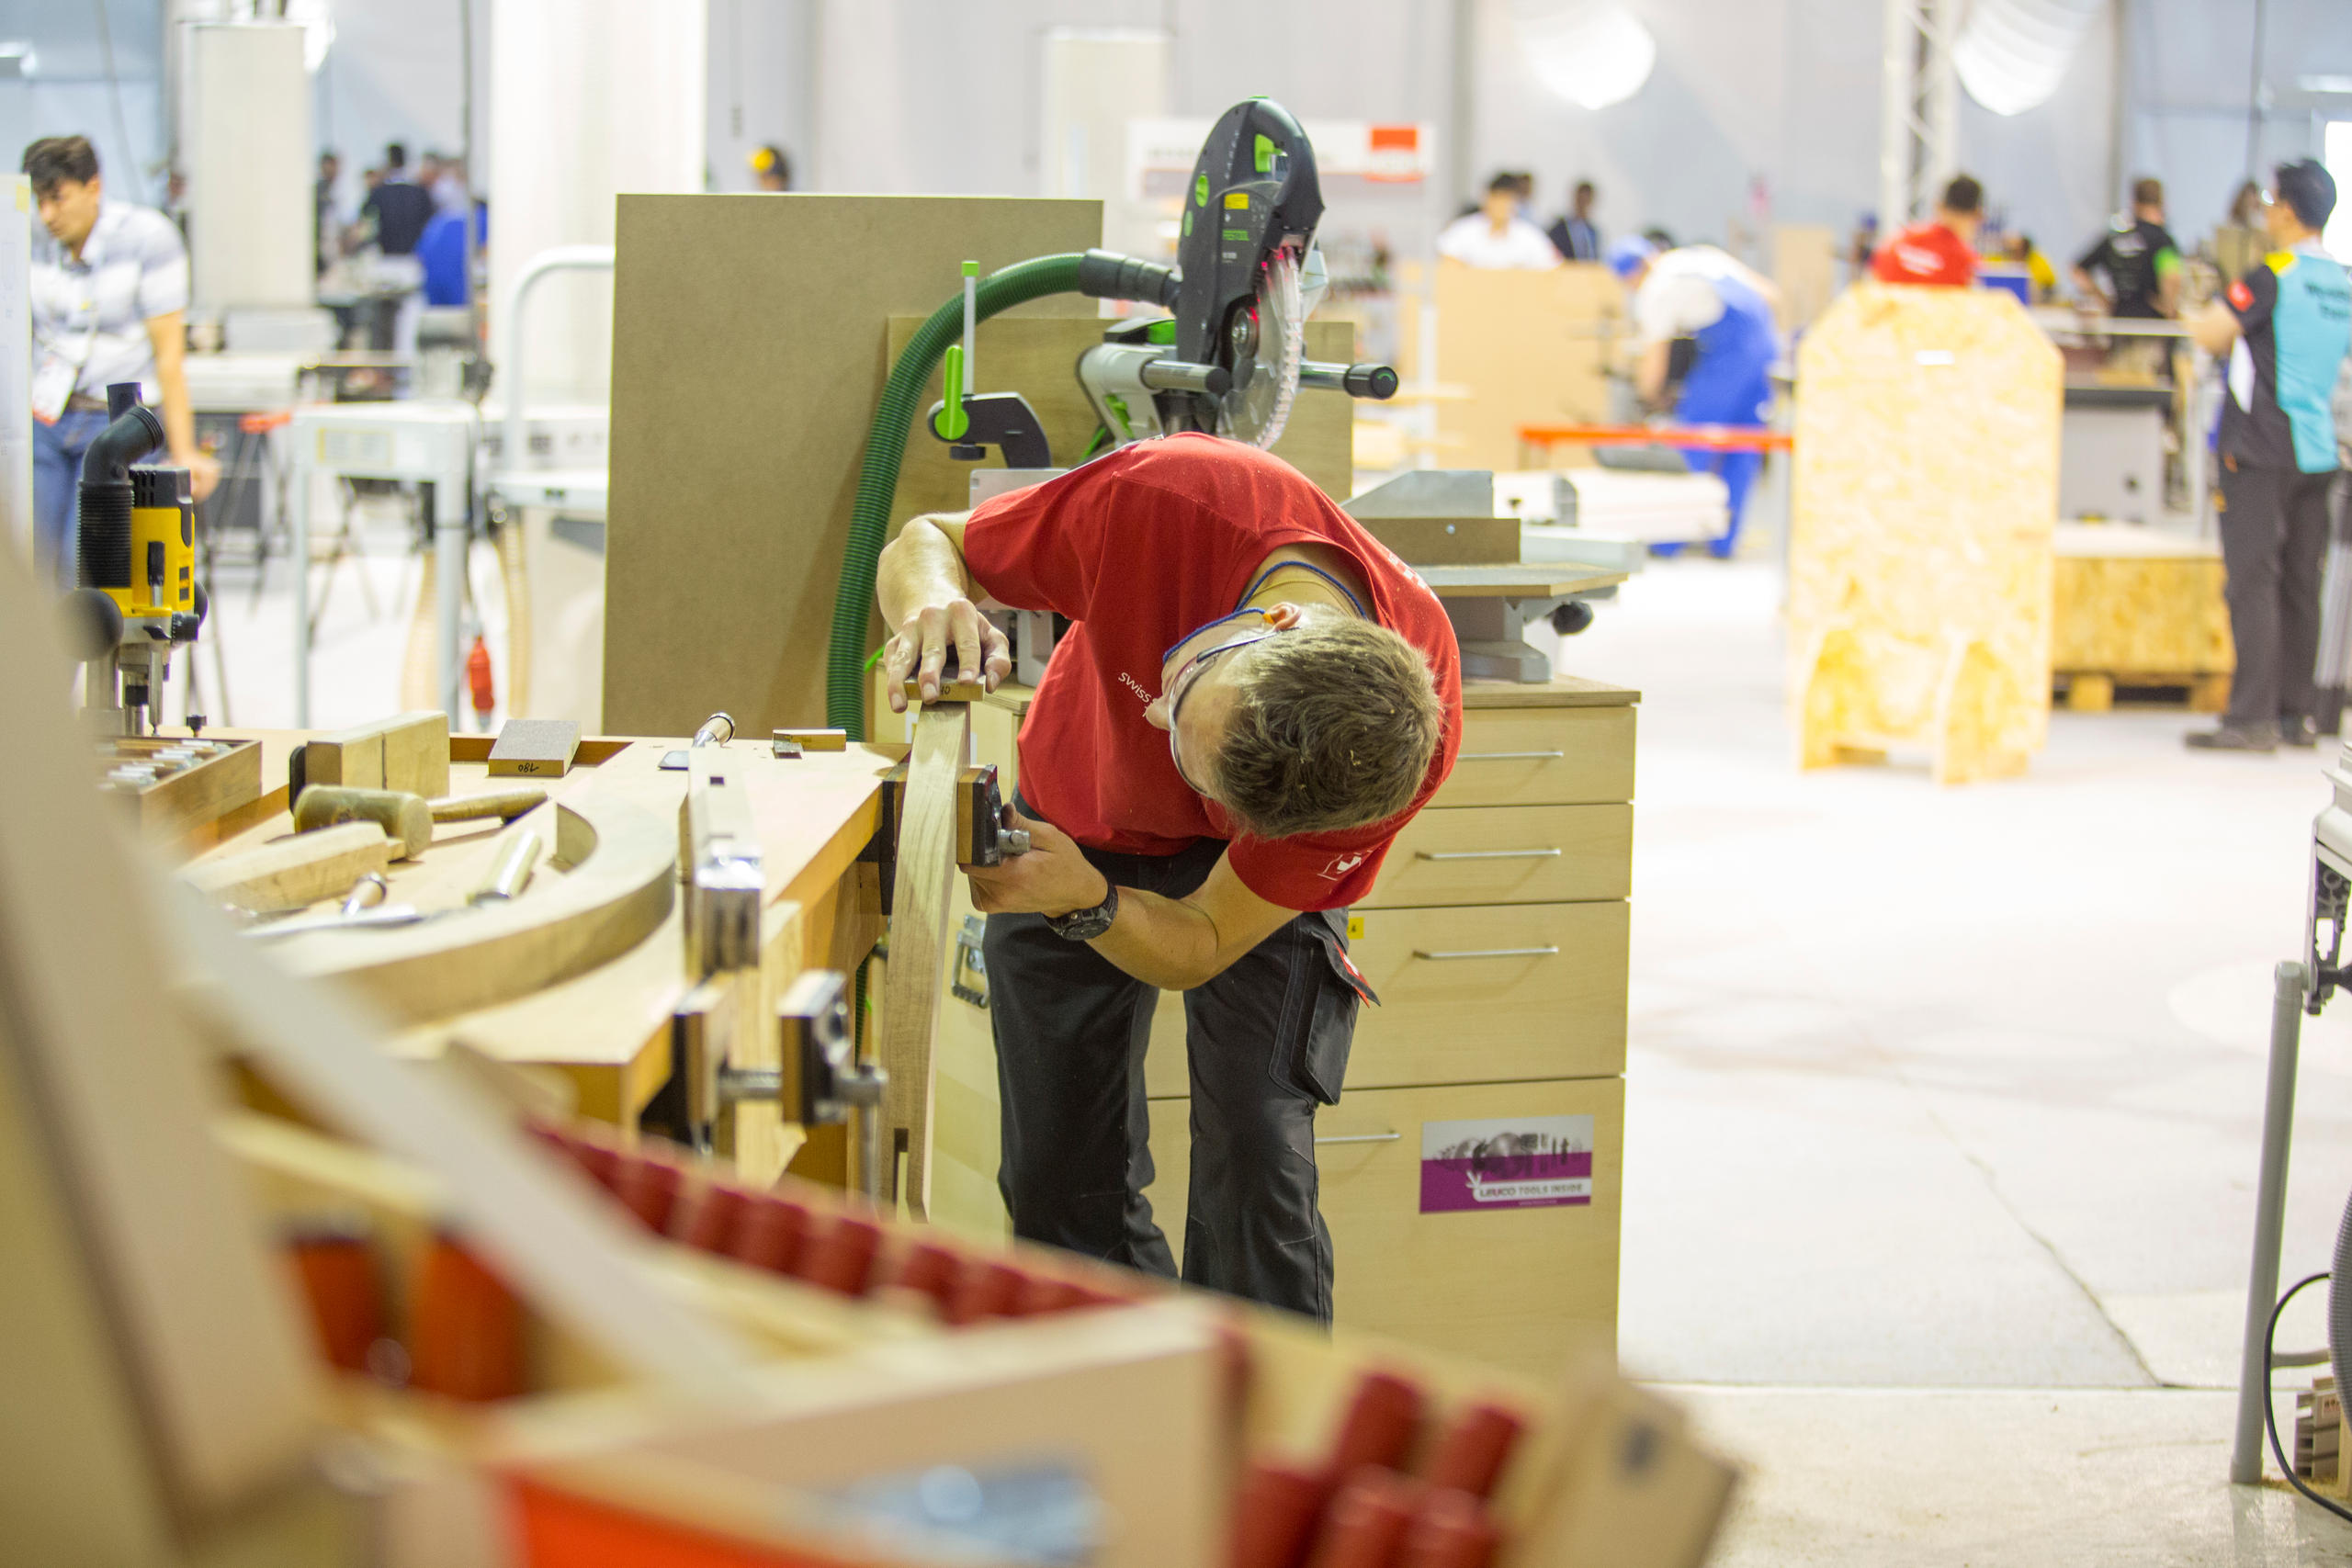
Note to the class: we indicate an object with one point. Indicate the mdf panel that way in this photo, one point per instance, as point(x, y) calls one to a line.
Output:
point(750, 345)
point(1532, 348)
point(1525, 1289)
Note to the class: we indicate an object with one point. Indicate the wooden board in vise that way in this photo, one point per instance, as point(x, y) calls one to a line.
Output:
point(919, 950)
point(618, 864)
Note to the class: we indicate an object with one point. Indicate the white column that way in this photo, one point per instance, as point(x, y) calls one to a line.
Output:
point(589, 99)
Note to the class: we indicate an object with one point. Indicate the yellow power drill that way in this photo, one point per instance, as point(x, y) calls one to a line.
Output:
point(139, 598)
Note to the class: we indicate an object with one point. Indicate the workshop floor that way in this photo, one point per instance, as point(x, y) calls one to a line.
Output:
point(1941, 1136)
point(1942, 1117)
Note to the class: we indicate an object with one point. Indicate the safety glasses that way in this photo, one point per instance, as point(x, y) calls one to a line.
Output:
point(1179, 684)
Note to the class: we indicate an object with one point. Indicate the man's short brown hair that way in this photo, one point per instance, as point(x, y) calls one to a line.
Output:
point(1332, 726)
point(2147, 193)
point(55, 159)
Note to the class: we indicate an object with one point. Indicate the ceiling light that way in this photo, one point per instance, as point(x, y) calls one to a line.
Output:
point(1591, 53)
point(2012, 53)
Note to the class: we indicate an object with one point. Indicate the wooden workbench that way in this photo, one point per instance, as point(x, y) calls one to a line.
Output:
point(605, 1024)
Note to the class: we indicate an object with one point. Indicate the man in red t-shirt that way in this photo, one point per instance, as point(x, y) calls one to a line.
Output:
point(1943, 249)
point(1253, 697)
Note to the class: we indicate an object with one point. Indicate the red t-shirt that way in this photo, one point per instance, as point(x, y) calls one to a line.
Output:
point(1926, 253)
point(1140, 548)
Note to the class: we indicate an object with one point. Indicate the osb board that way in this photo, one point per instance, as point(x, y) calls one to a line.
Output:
point(1038, 358)
point(2121, 606)
point(749, 344)
point(1531, 346)
point(1925, 492)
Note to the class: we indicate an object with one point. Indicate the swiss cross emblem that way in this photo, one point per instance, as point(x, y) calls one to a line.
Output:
point(1341, 866)
point(2241, 296)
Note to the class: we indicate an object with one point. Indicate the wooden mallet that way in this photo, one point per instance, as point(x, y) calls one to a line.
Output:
point(407, 819)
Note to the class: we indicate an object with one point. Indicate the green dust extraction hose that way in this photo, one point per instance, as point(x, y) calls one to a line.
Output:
point(1101, 273)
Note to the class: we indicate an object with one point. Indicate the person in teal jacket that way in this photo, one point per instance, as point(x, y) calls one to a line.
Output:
point(2286, 326)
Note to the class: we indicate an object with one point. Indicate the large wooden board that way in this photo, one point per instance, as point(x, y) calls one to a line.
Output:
point(1038, 358)
point(919, 945)
point(1531, 346)
point(749, 348)
point(1925, 491)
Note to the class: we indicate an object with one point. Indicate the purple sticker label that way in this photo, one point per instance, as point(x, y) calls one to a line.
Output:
point(1510, 1162)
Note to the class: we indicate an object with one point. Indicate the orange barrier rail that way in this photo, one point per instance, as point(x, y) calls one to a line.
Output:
point(1708, 437)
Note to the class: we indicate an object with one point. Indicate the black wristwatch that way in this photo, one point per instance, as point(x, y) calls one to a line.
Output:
point(1085, 925)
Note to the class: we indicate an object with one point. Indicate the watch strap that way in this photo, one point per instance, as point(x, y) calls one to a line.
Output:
point(1085, 925)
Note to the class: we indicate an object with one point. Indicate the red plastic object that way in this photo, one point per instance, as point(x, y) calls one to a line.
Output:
point(930, 1269)
point(1275, 1515)
point(1469, 1455)
point(478, 678)
point(717, 1218)
point(773, 1234)
point(1706, 437)
point(984, 1290)
point(1380, 1424)
point(1042, 1297)
point(345, 1293)
point(1451, 1531)
point(1366, 1525)
point(842, 1259)
point(465, 1328)
point(555, 1528)
point(649, 1187)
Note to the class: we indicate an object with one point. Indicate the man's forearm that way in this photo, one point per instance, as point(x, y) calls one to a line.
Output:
point(1161, 942)
point(179, 416)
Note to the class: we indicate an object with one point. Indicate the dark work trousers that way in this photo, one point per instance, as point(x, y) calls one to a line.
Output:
point(1267, 1041)
point(2274, 529)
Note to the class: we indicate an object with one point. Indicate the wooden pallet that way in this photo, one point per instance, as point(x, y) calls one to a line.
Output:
point(2097, 691)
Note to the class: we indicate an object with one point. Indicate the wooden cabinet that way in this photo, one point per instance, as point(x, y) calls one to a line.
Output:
point(1518, 1287)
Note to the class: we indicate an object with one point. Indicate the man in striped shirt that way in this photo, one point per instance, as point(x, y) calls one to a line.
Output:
point(110, 303)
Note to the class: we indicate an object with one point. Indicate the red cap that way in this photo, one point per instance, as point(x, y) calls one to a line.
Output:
point(1469, 1456)
point(1380, 1424)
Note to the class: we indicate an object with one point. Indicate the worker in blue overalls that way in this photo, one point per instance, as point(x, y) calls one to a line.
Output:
point(1726, 310)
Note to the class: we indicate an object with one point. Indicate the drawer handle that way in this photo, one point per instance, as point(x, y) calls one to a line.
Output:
point(1364, 1138)
point(1492, 953)
point(1486, 854)
point(1511, 756)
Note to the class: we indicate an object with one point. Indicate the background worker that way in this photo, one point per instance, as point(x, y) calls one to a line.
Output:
point(1939, 249)
point(771, 168)
point(1573, 233)
point(1702, 293)
point(110, 303)
point(2285, 324)
point(2134, 271)
point(1497, 235)
point(1252, 699)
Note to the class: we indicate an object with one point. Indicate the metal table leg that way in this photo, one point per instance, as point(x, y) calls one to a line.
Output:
point(2269, 1216)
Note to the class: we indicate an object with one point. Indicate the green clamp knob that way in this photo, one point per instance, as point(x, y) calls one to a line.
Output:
point(953, 420)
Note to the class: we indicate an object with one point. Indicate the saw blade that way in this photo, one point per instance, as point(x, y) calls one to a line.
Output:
point(1256, 410)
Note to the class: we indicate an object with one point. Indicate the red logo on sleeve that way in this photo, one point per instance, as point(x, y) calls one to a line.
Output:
point(2241, 296)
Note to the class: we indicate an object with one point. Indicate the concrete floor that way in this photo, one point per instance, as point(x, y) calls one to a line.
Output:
point(1941, 1136)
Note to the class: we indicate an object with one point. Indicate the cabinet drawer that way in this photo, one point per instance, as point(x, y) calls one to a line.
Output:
point(1542, 757)
point(1524, 1288)
point(1508, 855)
point(1468, 996)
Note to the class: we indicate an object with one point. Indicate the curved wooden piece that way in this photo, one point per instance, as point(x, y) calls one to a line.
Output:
point(621, 877)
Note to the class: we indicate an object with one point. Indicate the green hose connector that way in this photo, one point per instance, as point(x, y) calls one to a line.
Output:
point(886, 445)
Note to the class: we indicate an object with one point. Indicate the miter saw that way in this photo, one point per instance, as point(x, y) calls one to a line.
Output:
point(1233, 356)
point(1228, 359)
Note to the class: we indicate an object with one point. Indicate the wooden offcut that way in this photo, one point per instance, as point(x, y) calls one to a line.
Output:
point(918, 944)
point(407, 752)
point(1925, 491)
point(534, 747)
point(730, 500)
point(294, 873)
point(1446, 541)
